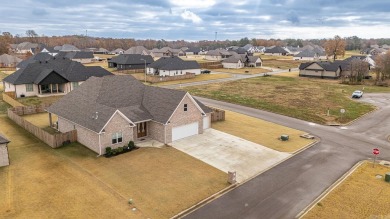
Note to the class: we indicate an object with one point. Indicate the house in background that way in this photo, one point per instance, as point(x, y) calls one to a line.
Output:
point(130, 61)
point(101, 51)
point(166, 52)
point(310, 55)
point(77, 56)
point(39, 57)
point(320, 69)
point(117, 51)
point(27, 47)
point(50, 50)
point(241, 61)
point(113, 110)
point(217, 55)
point(276, 51)
point(8, 61)
point(140, 50)
point(193, 51)
point(51, 77)
point(172, 66)
point(4, 158)
point(66, 48)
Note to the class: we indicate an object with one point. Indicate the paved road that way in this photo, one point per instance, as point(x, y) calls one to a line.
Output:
point(285, 190)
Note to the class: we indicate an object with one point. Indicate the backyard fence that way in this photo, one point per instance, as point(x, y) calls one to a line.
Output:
point(211, 65)
point(156, 79)
point(53, 140)
point(130, 71)
point(9, 97)
point(217, 115)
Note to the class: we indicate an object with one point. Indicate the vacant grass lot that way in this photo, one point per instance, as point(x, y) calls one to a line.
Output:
point(103, 64)
point(361, 195)
point(71, 182)
point(293, 74)
point(242, 70)
point(30, 101)
point(201, 77)
point(198, 58)
point(282, 64)
point(261, 132)
point(303, 98)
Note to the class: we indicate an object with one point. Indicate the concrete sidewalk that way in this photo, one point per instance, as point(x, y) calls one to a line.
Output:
point(230, 153)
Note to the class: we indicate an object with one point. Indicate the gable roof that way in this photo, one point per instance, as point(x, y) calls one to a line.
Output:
point(75, 55)
point(328, 66)
point(8, 59)
point(106, 95)
point(306, 53)
point(26, 46)
point(218, 52)
point(131, 59)
point(66, 48)
point(70, 70)
point(39, 57)
point(276, 49)
point(135, 50)
point(174, 63)
point(193, 49)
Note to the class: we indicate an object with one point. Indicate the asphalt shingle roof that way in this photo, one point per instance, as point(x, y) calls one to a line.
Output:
point(174, 63)
point(39, 57)
point(328, 66)
point(75, 55)
point(276, 49)
point(70, 70)
point(135, 50)
point(131, 59)
point(103, 96)
point(8, 59)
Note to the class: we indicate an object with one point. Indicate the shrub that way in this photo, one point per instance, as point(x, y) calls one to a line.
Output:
point(114, 151)
point(120, 149)
point(131, 145)
point(108, 150)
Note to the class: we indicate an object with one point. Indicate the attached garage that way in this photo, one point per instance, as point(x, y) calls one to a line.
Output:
point(183, 131)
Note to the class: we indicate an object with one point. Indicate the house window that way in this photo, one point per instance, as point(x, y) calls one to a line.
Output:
point(75, 85)
point(185, 107)
point(117, 138)
point(29, 88)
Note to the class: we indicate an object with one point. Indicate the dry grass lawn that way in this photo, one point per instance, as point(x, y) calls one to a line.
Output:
point(361, 195)
point(242, 70)
point(262, 132)
point(282, 64)
point(198, 58)
point(103, 64)
point(30, 101)
point(41, 120)
point(201, 77)
point(71, 182)
point(303, 98)
point(293, 74)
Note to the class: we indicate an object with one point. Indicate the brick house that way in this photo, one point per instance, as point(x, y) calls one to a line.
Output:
point(110, 111)
point(4, 158)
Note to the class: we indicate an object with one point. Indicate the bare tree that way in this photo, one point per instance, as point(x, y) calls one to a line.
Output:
point(382, 68)
point(32, 35)
point(335, 47)
point(358, 70)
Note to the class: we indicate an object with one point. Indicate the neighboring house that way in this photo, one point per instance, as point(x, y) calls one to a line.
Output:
point(172, 66)
point(39, 57)
point(8, 61)
point(66, 48)
point(217, 55)
point(77, 56)
point(385, 46)
point(366, 58)
point(50, 50)
point(117, 51)
point(276, 51)
point(373, 51)
point(27, 47)
point(166, 52)
point(51, 77)
point(137, 50)
point(193, 51)
point(130, 61)
point(113, 110)
point(320, 69)
point(101, 51)
point(241, 60)
point(310, 55)
point(4, 158)
point(293, 50)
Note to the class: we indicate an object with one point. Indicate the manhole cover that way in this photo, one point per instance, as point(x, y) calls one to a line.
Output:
point(379, 176)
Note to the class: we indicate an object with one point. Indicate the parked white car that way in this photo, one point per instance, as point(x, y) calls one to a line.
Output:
point(357, 94)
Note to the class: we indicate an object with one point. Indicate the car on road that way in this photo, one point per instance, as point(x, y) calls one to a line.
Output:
point(357, 94)
point(205, 71)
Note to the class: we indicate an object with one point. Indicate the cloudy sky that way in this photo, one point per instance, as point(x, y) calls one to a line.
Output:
point(199, 19)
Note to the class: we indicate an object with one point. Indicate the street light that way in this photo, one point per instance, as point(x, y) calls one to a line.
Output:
point(145, 68)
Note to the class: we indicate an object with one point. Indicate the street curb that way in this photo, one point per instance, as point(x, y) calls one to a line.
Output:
point(353, 121)
point(204, 201)
point(329, 189)
point(316, 140)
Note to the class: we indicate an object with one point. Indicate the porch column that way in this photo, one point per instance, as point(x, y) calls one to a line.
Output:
point(39, 89)
point(50, 120)
point(51, 88)
point(57, 88)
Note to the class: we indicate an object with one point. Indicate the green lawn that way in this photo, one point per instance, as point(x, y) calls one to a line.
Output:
point(303, 98)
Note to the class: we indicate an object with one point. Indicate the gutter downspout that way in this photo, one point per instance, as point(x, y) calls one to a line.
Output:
point(100, 146)
point(165, 133)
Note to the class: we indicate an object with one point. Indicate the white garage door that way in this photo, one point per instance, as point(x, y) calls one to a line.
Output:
point(184, 131)
point(206, 122)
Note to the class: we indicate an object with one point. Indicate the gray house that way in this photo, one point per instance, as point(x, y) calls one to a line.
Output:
point(130, 61)
point(320, 69)
point(111, 111)
point(4, 158)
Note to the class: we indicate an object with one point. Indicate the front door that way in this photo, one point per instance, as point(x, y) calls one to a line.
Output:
point(141, 130)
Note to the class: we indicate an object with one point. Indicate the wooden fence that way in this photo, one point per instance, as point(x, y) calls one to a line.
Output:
point(130, 71)
point(217, 115)
point(211, 65)
point(53, 140)
point(9, 97)
point(156, 79)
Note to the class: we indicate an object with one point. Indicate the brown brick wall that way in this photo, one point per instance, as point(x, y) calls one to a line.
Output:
point(117, 124)
point(156, 131)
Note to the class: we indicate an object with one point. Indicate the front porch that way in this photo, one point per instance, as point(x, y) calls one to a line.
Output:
point(45, 90)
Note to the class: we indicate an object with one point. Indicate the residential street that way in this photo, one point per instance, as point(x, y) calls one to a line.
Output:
point(285, 190)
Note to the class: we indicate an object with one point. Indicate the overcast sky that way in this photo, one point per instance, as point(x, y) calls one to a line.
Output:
point(199, 19)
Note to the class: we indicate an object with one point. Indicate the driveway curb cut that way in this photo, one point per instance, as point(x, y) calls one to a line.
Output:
point(329, 189)
point(204, 201)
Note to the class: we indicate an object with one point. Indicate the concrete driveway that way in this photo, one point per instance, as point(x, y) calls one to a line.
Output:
point(230, 153)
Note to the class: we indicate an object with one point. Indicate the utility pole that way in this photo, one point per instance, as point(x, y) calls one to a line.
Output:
point(216, 34)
